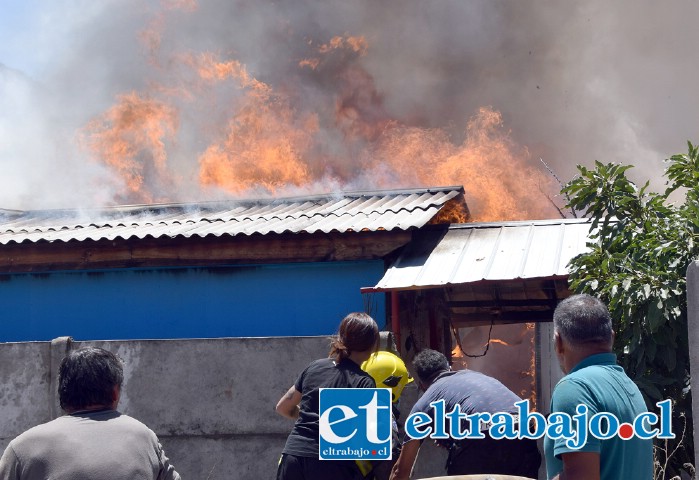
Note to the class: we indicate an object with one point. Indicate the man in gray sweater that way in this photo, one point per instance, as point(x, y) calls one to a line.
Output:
point(93, 441)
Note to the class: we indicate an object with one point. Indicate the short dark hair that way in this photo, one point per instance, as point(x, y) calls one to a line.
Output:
point(358, 332)
point(428, 363)
point(583, 319)
point(87, 376)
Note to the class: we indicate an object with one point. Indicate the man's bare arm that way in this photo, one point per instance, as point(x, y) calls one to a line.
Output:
point(580, 466)
point(404, 465)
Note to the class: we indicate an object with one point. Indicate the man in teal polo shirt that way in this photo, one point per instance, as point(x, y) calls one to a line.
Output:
point(583, 338)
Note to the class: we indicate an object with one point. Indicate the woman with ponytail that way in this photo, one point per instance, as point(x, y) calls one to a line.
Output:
point(356, 340)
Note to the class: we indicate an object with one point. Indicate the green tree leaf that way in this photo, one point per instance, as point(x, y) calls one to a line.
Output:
point(639, 248)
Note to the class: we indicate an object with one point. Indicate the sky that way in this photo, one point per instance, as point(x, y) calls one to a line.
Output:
point(336, 91)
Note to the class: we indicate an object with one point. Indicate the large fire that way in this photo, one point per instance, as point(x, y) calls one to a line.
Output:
point(504, 359)
point(130, 137)
point(326, 127)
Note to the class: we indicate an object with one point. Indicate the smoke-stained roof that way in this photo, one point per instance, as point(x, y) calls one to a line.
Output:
point(339, 212)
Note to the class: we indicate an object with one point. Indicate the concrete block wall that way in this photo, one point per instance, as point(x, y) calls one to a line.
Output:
point(211, 401)
point(24, 387)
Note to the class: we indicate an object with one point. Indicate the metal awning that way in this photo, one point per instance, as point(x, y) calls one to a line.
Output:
point(477, 252)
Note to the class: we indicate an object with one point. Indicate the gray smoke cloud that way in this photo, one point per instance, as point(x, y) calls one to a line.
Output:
point(574, 82)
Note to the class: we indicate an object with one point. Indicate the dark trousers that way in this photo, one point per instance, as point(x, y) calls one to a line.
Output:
point(498, 457)
point(309, 468)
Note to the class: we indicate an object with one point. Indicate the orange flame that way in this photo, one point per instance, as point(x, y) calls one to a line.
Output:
point(458, 359)
point(263, 145)
point(504, 359)
point(311, 63)
point(258, 150)
point(493, 170)
point(151, 37)
point(344, 46)
point(356, 44)
point(258, 135)
point(130, 137)
point(212, 70)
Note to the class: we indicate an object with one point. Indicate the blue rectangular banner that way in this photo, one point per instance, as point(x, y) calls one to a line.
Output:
point(355, 424)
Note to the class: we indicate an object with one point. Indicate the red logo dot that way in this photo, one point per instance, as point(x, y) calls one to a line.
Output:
point(373, 452)
point(625, 431)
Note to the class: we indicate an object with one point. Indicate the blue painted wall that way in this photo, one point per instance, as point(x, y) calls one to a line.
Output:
point(251, 301)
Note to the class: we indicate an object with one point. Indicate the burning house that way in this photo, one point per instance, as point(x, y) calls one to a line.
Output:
point(220, 126)
point(210, 276)
point(291, 267)
point(219, 303)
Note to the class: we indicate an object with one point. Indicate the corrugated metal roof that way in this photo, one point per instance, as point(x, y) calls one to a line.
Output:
point(341, 212)
point(475, 252)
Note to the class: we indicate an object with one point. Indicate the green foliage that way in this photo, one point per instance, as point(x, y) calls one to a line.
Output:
point(641, 245)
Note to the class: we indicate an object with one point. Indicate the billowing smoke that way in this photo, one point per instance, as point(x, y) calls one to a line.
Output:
point(132, 102)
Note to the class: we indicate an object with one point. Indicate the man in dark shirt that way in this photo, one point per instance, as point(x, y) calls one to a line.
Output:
point(474, 393)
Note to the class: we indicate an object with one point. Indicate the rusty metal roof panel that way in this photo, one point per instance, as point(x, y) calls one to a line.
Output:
point(475, 252)
point(339, 212)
